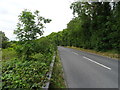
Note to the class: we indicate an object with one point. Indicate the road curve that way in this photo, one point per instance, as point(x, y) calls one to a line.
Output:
point(86, 70)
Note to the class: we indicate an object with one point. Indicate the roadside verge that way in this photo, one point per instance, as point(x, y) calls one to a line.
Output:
point(57, 79)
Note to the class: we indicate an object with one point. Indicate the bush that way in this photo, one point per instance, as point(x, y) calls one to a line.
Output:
point(44, 45)
point(8, 54)
point(26, 49)
point(38, 56)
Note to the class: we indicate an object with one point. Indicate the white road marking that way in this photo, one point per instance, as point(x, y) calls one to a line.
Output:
point(97, 63)
point(75, 53)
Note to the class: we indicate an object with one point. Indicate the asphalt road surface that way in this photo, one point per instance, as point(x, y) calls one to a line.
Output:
point(86, 70)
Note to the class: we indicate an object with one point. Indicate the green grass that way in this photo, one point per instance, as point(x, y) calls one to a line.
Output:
point(111, 53)
point(57, 79)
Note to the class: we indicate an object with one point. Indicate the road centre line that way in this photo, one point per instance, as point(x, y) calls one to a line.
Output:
point(97, 63)
point(75, 53)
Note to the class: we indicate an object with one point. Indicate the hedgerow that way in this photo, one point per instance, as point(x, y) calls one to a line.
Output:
point(20, 73)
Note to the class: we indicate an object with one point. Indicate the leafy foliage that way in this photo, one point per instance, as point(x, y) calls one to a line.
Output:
point(95, 26)
point(21, 73)
point(27, 29)
point(18, 74)
point(30, 25)
point(44, 45)
point(8, 54)
point(3, 40)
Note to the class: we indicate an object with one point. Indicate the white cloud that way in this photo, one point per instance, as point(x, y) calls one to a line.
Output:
point(57, 10)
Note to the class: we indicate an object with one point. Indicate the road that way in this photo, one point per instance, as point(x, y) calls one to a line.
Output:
point(86, 70)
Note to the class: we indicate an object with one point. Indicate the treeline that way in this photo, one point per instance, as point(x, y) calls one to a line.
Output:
point(95, 26)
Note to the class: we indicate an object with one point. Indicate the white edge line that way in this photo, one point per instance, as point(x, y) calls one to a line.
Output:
point(97, 63)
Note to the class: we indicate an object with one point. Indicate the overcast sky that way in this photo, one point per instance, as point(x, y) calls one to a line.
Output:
point(57, 10)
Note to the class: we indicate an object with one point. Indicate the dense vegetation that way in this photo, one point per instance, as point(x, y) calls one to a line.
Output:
point(3, 40)
point(22, 73)
point(94, 26)
point(25, 63)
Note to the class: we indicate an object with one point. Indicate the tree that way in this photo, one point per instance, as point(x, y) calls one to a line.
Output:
point(4, 40)
point(115, 34)
point(83, 11)
point(29, 27)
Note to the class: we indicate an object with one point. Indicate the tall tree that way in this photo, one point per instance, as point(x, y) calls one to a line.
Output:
point(115, 41)
point(100, 26)
point(29, 26)
point(83, 11)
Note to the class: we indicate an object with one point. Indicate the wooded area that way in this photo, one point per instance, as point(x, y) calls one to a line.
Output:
point(95, 26)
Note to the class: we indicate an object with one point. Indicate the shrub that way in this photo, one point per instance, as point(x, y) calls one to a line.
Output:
point(8, 54)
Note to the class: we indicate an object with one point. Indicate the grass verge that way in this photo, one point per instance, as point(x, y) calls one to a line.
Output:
point(57, 79)
point(110, 54)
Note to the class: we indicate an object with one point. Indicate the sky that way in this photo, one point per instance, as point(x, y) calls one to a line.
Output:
point(57, 10)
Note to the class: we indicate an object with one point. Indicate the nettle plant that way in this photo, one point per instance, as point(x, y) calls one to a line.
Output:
point(30, 25)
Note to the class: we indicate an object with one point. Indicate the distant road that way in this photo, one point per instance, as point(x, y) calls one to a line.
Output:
point(86, 70)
